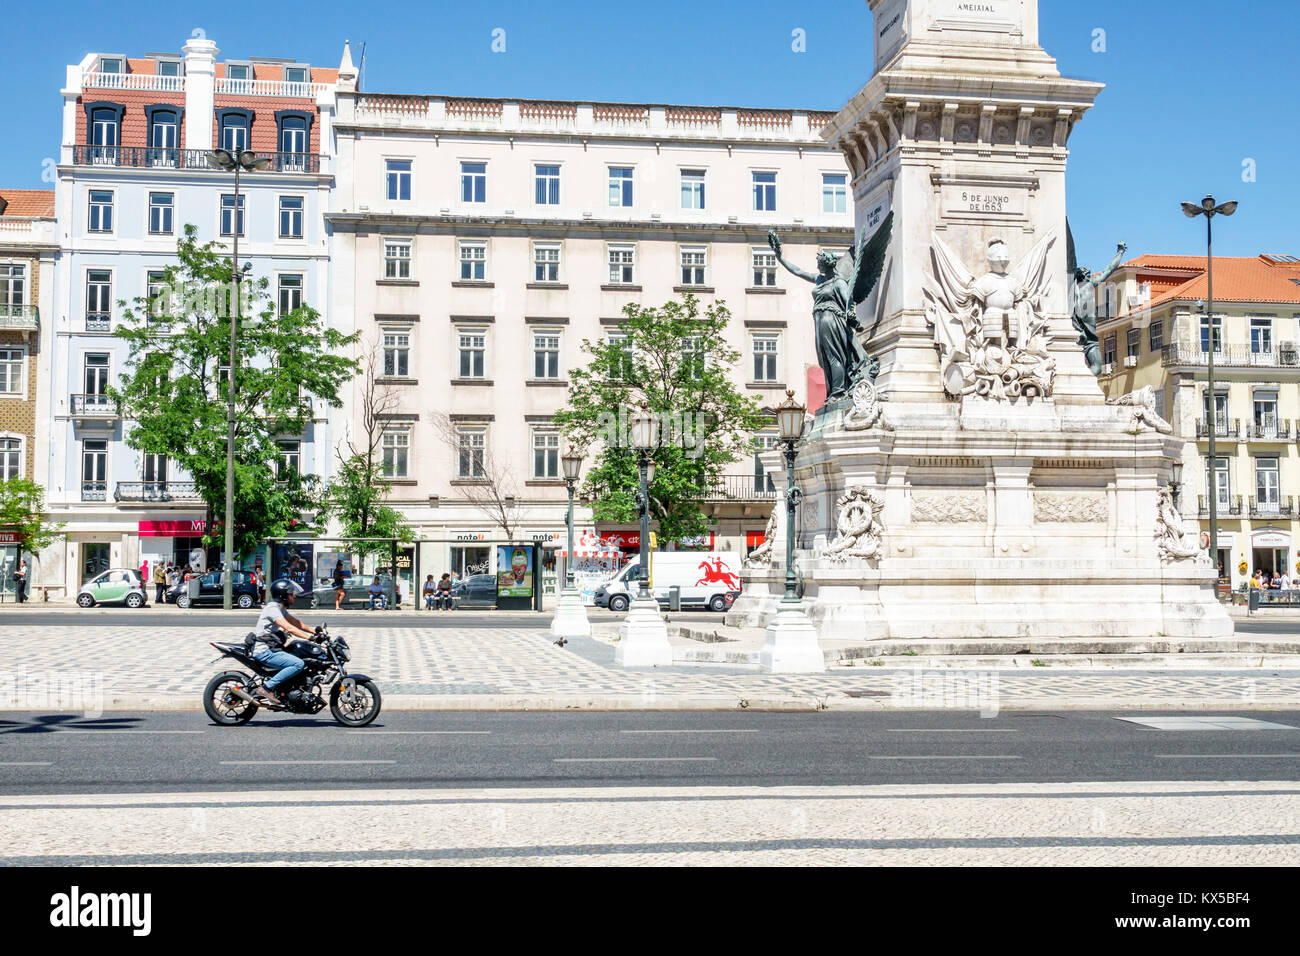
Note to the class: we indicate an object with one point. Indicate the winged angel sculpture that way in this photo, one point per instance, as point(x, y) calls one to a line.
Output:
point(991, 330)
point(843, 282)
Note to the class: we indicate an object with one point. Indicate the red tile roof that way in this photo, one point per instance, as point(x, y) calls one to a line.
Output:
point(1236, 279)
point(37, 203)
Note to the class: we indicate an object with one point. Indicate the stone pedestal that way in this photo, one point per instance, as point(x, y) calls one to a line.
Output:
point(643, 637)
point(570, 618)
point(791, 646)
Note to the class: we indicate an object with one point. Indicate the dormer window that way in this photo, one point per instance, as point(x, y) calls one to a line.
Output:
point(169, 67)
point(164, 134)
point(238, 78)
point(233, 126)
point(110, 64)
point(295, 74)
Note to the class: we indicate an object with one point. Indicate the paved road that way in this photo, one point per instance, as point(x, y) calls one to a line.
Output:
point(172, 617)
point(178, 752)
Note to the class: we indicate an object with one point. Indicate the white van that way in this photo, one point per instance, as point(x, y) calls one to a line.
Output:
point(708, 579)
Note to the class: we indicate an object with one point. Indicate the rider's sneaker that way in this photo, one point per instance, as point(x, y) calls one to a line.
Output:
point(266, 695)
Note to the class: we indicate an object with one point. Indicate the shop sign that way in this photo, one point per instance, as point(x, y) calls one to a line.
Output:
point(1270, 538)
point(188, 528)
point(9, 537)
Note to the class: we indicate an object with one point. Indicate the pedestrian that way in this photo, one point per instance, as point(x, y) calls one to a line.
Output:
point(444, 592)
point(1254, 581)
point(20, 580)
point(339, 593)
point(160, 582)
point(376, 593)
point(430, 593)
point(1286, 582)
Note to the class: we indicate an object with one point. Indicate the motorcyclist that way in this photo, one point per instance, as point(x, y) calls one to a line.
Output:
point(276, 630)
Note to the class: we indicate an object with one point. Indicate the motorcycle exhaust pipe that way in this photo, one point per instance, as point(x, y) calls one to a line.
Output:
point(244, 695)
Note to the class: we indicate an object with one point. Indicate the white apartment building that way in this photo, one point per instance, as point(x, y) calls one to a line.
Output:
point(478, 242)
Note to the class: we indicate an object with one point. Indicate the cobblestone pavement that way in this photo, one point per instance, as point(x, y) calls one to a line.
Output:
point(174, 665)
point(1128, 824)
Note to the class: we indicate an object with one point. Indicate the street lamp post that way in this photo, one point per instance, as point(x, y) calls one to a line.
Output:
point(791, 645)
point(1176, 485)
point(643, 636)
point(243, 160)
point(1208, 208)
point(570, 613)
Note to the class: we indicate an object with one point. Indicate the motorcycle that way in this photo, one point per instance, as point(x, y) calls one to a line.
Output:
point(354, 699)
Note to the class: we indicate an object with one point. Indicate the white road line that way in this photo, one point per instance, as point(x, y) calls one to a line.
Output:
point(952, 730)
point(295, 763)
point(25, 763)
point(62, 730)
point(953, 757)
point(395, 733)
point(720, 731)
point(630, 759)
point(1225, 756)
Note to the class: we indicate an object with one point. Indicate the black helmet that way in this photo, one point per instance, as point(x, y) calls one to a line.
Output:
point(285, 590)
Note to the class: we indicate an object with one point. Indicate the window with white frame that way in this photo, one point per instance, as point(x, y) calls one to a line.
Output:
point(12, 363)
point(1218, 334)
point(291, 217)
point(1261, 335)
point(397, 179)
point(290, 292)
point(764, 191)
point(397, 353)
point(1268, 485)
point(156, 292)
point(620, 186)
point(94, 469)
point(764, 267)
point(473, 182)
point(622, 264)
point(835, 192)
point(1108, 350)
point(766, 351)
point(763, 441)
point(473, 260)
point(397, 258)
point(546, 180)
point(288, 459)
point(692, 189)
point(1133, 343)
point(692, 356)
point(11, 458)
point(161, 206)
point(546, 353)
point(471, 449)
point(473, 352)
point(101, 211)
point(153, 469)
point(694, 263)
point(13, 285)
point(99, 300)
point(1265, 412)
point(1219, 481)
point(546, 453)
point(232, 214)
point(1156, 335)
point(396, 444)
point(546, 262)
point(1220, 415)
point(620, 363)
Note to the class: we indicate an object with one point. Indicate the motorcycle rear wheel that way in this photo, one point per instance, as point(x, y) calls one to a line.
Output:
point(363, 709)
point(222, 706)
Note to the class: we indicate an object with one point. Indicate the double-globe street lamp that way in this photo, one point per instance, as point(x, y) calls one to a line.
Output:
point(1209, 209)
point(645, 439)
point(643, 635)
point(234, 161)
point(570, 618)
point(789, 423)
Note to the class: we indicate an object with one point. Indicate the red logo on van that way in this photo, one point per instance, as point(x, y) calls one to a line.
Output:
point(718, 573)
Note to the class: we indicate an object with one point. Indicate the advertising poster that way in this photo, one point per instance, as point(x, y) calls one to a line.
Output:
point(514, 571)
point(325, 561)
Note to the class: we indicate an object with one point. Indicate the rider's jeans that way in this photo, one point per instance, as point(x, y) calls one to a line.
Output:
point(289, 665)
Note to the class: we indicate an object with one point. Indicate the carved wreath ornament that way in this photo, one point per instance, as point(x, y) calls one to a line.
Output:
point(858, 527)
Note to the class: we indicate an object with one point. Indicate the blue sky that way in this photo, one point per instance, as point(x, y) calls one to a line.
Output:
point(1195, 88)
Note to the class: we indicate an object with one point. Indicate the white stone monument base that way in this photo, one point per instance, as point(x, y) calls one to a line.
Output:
point(570, 618)
point(791, 646)
point(643, 637)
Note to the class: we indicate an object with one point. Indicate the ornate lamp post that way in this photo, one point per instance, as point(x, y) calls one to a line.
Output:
point(570, 613)
point(643, 636)
point(1176, 484)
point(243, 160)
point(1209, 210)
point(791, 646)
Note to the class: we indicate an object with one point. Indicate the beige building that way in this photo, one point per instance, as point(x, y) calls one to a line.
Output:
point(478, 242)
point(1154, 332)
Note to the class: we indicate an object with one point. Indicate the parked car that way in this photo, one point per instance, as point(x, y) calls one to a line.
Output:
point(114, 586)
point(244, 591)
point(477, 590)
point(356, 589)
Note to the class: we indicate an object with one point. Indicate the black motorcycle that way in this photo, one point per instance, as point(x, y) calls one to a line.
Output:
point(354, 699)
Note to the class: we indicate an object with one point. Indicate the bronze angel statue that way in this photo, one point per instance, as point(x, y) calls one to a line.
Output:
point(991, 330)
point(841, 284)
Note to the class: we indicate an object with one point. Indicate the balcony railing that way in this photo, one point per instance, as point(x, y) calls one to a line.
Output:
point(20, 318)
point(154, 491)
point(99, 322)
point(1231, 356)
point(1222, 429)
point(1279, 508)
point(94, 491)
point(1269, 430)
point(133, 81)
point(93, 406)
point(742, 488)
point(228, 86)
point(1229, 509)
point(164, 158)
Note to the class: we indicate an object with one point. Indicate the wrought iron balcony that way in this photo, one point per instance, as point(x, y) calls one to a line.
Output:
point(1231, 356)
point(164, 158)
point(1278, 508)
point(1229, 509)
point(94, 491)
point(156, 491)
point(742, 488)
point(93, 407)
point(1269, 430)
point(1222, 429)
point(20, 318)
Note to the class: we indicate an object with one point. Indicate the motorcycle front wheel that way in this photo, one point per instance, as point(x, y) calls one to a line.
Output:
point(222, 705)
point(360, 708)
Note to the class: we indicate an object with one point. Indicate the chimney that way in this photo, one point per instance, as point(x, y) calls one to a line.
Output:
point(200, 91)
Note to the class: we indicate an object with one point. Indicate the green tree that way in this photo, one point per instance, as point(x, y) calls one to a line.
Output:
point(676, 360)
point(174, 388)
point(22, 508)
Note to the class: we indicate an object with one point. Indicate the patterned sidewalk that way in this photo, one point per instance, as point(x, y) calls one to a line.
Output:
point(490, 666)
